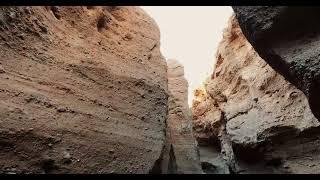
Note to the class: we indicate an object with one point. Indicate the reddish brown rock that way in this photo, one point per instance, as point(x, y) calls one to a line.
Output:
point(91, 84)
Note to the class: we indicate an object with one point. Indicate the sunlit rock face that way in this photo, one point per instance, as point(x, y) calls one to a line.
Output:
point(83, 90)
point(249, 119)
point(181, 154)
point(287, 38)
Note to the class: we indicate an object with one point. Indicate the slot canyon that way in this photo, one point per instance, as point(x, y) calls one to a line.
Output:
point(86, 90)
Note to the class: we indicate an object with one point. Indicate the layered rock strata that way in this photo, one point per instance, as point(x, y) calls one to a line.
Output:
point(182, 154)
point(82, 90)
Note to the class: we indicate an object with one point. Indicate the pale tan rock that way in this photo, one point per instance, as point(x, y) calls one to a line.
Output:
point(182, 154)
point(266, 117)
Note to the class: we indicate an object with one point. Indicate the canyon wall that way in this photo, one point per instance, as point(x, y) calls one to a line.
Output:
point(86, 90)
point(82, 90)
point(182, 154)
point(287, 38)
point(249, 118)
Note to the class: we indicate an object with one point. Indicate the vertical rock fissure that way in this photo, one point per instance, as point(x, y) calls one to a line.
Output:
point(172, 165)
point(226, 145)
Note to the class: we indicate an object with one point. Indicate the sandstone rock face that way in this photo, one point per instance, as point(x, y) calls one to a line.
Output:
point(257, 120)
point(83, 90)
point(182, 154)
point(287, 38)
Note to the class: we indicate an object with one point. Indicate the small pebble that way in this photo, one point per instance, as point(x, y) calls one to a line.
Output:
point(56, 140)
point(286, 167)
point(61, 110)
point(66, 157)
point(13, 169)
point(2, 70)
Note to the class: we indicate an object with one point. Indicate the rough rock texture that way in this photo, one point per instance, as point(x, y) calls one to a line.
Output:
point(287, 38)
point(182, 155)
point(259, 121)
point(82, 90)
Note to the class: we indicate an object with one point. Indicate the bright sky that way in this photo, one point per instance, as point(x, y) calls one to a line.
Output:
point(190, 34)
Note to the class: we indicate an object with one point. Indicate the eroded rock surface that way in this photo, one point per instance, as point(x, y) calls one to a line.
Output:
point(269, 127)
point(287, 38)
point(82, 90)
point(182, 154)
